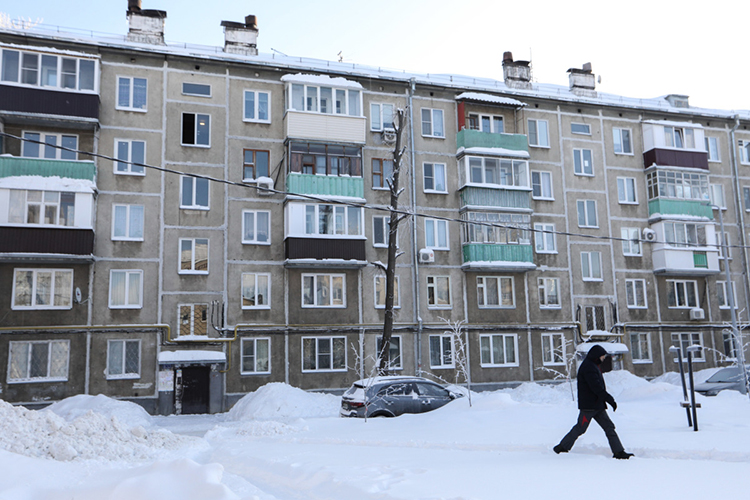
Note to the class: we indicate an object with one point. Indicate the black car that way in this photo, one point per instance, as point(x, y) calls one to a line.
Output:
point(393, 396)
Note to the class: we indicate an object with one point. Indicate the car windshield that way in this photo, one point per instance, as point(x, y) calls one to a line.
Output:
point(726, 375)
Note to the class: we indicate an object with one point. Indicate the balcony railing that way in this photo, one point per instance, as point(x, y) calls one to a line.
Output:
point(325, 185)
point(40, 241)
point(685, 262)
point(493, 256)
point(14, 166)
point(325, 127)
point(665, 206)
point(74, 106)
point(467, 138)
point(676, 158)
point(493, 197)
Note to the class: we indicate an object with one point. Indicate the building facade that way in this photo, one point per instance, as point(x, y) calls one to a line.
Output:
point(181, 225)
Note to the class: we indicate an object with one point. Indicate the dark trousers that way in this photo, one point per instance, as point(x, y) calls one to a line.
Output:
point(584, 419)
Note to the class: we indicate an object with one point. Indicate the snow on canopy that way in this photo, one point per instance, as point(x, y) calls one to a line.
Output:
point(182, 356)
point(321, 80)
point(477, 96)
point(610, 347)
point(671, 123)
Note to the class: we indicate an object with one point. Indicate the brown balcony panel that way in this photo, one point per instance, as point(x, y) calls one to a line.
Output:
point(317, 248)
point(48, 102)
point(676, 158)
point(46, 240)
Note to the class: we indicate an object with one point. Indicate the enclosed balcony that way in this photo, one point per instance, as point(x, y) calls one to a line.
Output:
point(510, 144)
point(497, 241)
point(664, 207)
point(325, 185)
point(495, 257)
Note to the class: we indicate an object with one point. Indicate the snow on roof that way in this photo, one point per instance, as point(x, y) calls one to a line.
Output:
point(493, 152)
point(476, 96)
point(191, 356)
point(610, 347)
point(670, 123)
point(48, 183)
point(321, 80)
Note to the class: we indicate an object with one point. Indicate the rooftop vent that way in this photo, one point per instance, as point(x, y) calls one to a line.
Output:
point(678, 101)
point(516, 74)
point(241, 38)
point(145, 26)
point(582, 81)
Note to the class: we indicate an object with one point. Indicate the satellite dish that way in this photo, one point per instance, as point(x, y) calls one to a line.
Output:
point(78, 295)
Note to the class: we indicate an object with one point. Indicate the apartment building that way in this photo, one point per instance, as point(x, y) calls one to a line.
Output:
point(181, 225)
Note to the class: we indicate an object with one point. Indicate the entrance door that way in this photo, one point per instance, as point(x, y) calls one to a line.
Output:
point(195, 389)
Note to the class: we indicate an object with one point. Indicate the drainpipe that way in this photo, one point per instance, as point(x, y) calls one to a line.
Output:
point(415, 249)
point(738, 203)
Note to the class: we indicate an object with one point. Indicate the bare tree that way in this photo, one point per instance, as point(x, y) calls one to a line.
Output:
point(460, 343)
point(395, 218)
point(561, 352)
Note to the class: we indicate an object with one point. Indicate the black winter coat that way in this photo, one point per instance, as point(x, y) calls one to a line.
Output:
point(592, 392)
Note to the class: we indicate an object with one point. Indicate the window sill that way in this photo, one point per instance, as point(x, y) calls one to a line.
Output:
point(382, 308)
point(203, 209)
point(36, 380)
point(507, 365)
point(624, 154)
point(128, 376)
point(554, 252)
point(634, 203)
point(643, 361)
point(125, 307)
point(250, 374)
point(443, 367)
point(439, 307)
point(256, 308)
point(431, 191)
point(539, 146)
point(496, 307)
point(130, 174)
point(323, 307)
point(433, 136)
point(203, 146)
point(260, 243)
point(134, 110)
point(247, 120)
point(332, 370)
point(192, 273)
point(539, 198)
point(550, 307)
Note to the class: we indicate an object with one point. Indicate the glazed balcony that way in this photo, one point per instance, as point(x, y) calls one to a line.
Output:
point(513, 144)
point(666, 206)
point(476, 196)
point(685, 262)
point(324, 127)
point(498, 257)
point(14, 166)
point(325, 185)
point(676, 158)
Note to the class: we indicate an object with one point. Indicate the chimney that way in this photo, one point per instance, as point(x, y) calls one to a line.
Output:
point(582, 81)
point(145, 26)
point(517, 74)
point(241, 38)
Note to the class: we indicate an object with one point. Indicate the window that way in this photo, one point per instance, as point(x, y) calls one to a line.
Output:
point(626, 190)
point(631, 241)
point(194, 194)
point(746, 197)
point(42, 289)
point(127, 222)
point(539, 133)
point(256, 227)
point(432, 123)
point(196, 89)
point(333, 220)
point(623, 144)
point(684, 234)
point(381, 116)
point(438, 292)
point(744, 151)
point(495, 292)
point(196, 130)
point(193, 256)
point(717, 195)
point(323, 99)
point(380, 230)
point(382, 170)
point(685, 340)
point(498, 350)
point(678, 137)
point(725, 244)
point(496, 228)
point(257, 106)
point(591, 266)
point(586, 213)
point(193, 319)
point(323, 354)
point(721, 291)
point(640, 347)
point(436, 234)
point(68, 73)
point(323, 290)
point(254, 164)
point(125, 289)
point(441, 351)
point(42, 361)
point(41, 207)
point(256, 291)
point(123, 359)
point(544, 238)
point(541, 185)
point(394, 351)
point(131, 93)
point(580, 128)
point(583, 162)
point(553, 351)
point(256, 356)
point(486, 123)
point(730, 345)
point(682, 294)
point(44, 145)
point(380, 293)
point(635, 291)
point(434, 178)
point(594, 317)
point(327, 159)
point(712, 148)
point(679, 185)
point(498, 172)
point(549, 293)
point(131, 156)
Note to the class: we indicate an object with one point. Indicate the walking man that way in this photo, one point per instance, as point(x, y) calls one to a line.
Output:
point(592, 404)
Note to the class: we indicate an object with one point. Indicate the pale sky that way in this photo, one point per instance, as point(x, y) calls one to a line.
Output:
point(639, 48)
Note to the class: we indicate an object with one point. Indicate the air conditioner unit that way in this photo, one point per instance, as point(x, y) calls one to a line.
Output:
point(426, 255)
point(649, 234)
point(389, 135)
point(697, 313)
point(265, 183)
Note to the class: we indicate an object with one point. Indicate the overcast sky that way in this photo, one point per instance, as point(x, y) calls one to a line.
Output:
point(639, 48)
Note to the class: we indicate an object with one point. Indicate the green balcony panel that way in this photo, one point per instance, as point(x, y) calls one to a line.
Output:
point(491, 252)
point(679, 207)
point(14, 166)
point(494, 197)
point(325, 185)
point(477, 139)
point(700, 259)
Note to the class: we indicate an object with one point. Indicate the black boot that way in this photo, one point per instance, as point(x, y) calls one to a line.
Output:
point(622, 455)
point(559, 449)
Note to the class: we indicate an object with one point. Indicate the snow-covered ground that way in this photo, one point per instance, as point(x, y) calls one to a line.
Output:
point(282, 443)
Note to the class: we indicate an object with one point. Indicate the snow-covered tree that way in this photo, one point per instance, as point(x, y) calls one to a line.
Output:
point(561, 352)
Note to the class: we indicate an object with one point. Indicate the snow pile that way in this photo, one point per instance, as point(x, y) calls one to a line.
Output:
point(531, 392)
point(129, 414)
point(282, 402)
point(90, 435)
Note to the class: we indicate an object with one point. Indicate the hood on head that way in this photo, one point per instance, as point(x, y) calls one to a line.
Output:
point(595, 353)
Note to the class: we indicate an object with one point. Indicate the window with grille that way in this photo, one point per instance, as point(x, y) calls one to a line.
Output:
point(123, 359)
point(194, 319)
point(595, 318)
